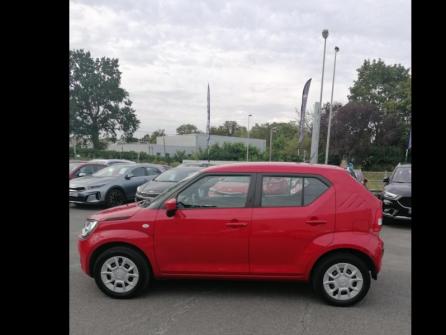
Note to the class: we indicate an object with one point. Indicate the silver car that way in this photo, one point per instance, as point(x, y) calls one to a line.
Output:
point(113, 185)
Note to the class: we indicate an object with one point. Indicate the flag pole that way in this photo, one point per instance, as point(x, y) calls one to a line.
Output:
point(208, 123)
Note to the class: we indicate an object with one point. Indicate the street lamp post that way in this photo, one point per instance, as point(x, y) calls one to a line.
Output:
point(314, 151)
point(247, 144)
point(272, 130)
point(331, 108)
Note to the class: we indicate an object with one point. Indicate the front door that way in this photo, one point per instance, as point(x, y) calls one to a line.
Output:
point(210, 230)
point(139, 177)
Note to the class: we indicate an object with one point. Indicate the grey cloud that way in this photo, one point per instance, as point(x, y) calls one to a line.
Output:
point(256, 55)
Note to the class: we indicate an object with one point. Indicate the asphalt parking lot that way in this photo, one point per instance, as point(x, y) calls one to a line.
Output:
point(231, 307)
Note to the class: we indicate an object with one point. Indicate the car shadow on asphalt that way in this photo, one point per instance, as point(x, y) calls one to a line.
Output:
point(237, 288)
point(87, 207)
point(405, 225)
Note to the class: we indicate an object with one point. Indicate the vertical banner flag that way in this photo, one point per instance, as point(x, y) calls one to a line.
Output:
point(208, 127)
point(302, 110)
point(410, 140)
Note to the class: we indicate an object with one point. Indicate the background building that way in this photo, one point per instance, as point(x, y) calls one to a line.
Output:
point(189, 143)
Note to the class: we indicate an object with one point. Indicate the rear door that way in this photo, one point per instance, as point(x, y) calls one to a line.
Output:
point(291, 211)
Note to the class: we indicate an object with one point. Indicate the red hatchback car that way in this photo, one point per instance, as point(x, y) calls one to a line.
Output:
point(322, 228)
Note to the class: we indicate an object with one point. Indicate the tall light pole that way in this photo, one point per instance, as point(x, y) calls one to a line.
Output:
point(272, 130)
point(316, 122)
point(331, 107)
point(247, 144)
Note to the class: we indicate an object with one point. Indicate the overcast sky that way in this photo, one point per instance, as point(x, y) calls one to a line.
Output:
point(256, 55)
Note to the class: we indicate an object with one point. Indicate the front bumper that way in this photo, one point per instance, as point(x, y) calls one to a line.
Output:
point(396, 210)
point(83, 247)
point(86, 197)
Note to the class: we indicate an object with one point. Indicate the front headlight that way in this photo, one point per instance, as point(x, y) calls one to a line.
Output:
point(94, 186)
point(138, 189)
point(89, 226)
point(390, 195)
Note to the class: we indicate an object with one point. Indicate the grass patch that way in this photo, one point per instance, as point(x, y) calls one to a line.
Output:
point(375, 179)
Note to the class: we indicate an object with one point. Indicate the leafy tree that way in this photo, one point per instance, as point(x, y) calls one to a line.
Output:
point(130, 139)
point(229, 128)
point(145, 138)
point(388, 87)
point(187, 129)
point(98, 105)
point(155, 134)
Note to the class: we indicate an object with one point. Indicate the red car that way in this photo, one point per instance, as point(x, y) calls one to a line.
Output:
point(324, 229)
point(82, 168)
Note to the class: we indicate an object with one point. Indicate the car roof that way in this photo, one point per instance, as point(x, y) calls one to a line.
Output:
point(105, 161)
point(187, 168)
point(274, 167)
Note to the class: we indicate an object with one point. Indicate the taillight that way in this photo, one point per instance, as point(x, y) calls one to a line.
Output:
point(377, 224)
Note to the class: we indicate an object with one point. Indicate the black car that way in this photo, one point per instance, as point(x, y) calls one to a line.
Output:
point(397, 194)
point(165, 180)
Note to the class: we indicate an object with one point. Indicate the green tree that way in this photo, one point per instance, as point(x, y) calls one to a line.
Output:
point(388, 87)
point(187, 129)
point(155, 134)
point(145, 138)
point(229, 128)
point(98, 105)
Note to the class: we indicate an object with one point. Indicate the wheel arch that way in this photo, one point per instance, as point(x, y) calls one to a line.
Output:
point(98, 251)
point(360, 254)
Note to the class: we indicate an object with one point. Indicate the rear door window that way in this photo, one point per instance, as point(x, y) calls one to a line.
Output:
point(139, 172)
point(281, 191)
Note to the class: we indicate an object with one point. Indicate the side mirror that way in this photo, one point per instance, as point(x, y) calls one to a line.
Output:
point(129, 176)
point(171, 207)
point(81, 174)
point(386, 180)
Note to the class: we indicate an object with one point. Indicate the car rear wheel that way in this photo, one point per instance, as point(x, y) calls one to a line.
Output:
point(114, 197)
point(121, 272)
point(342, 279)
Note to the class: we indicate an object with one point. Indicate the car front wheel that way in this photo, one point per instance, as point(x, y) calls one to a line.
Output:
point(121, 272)
point(342, 279)
point(114, 197)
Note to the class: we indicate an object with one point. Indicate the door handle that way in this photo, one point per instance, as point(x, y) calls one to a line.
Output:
point(315, 221)
point(236, 224)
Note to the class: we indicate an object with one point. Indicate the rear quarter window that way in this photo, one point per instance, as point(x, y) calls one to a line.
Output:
point(313, 189)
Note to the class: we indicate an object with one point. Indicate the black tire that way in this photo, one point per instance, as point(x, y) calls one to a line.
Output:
point(115, 197)
point(325, 264)
point(142, 266)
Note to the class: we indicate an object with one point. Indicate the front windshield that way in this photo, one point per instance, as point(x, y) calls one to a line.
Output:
point(74, 165)
point(174, 175)
point(402, 175)
point(112, 171)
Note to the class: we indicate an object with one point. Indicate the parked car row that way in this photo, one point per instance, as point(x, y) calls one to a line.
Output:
point(85, 168)
point(113, 185)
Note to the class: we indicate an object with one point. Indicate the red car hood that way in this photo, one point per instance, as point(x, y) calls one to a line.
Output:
point(117, 213)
